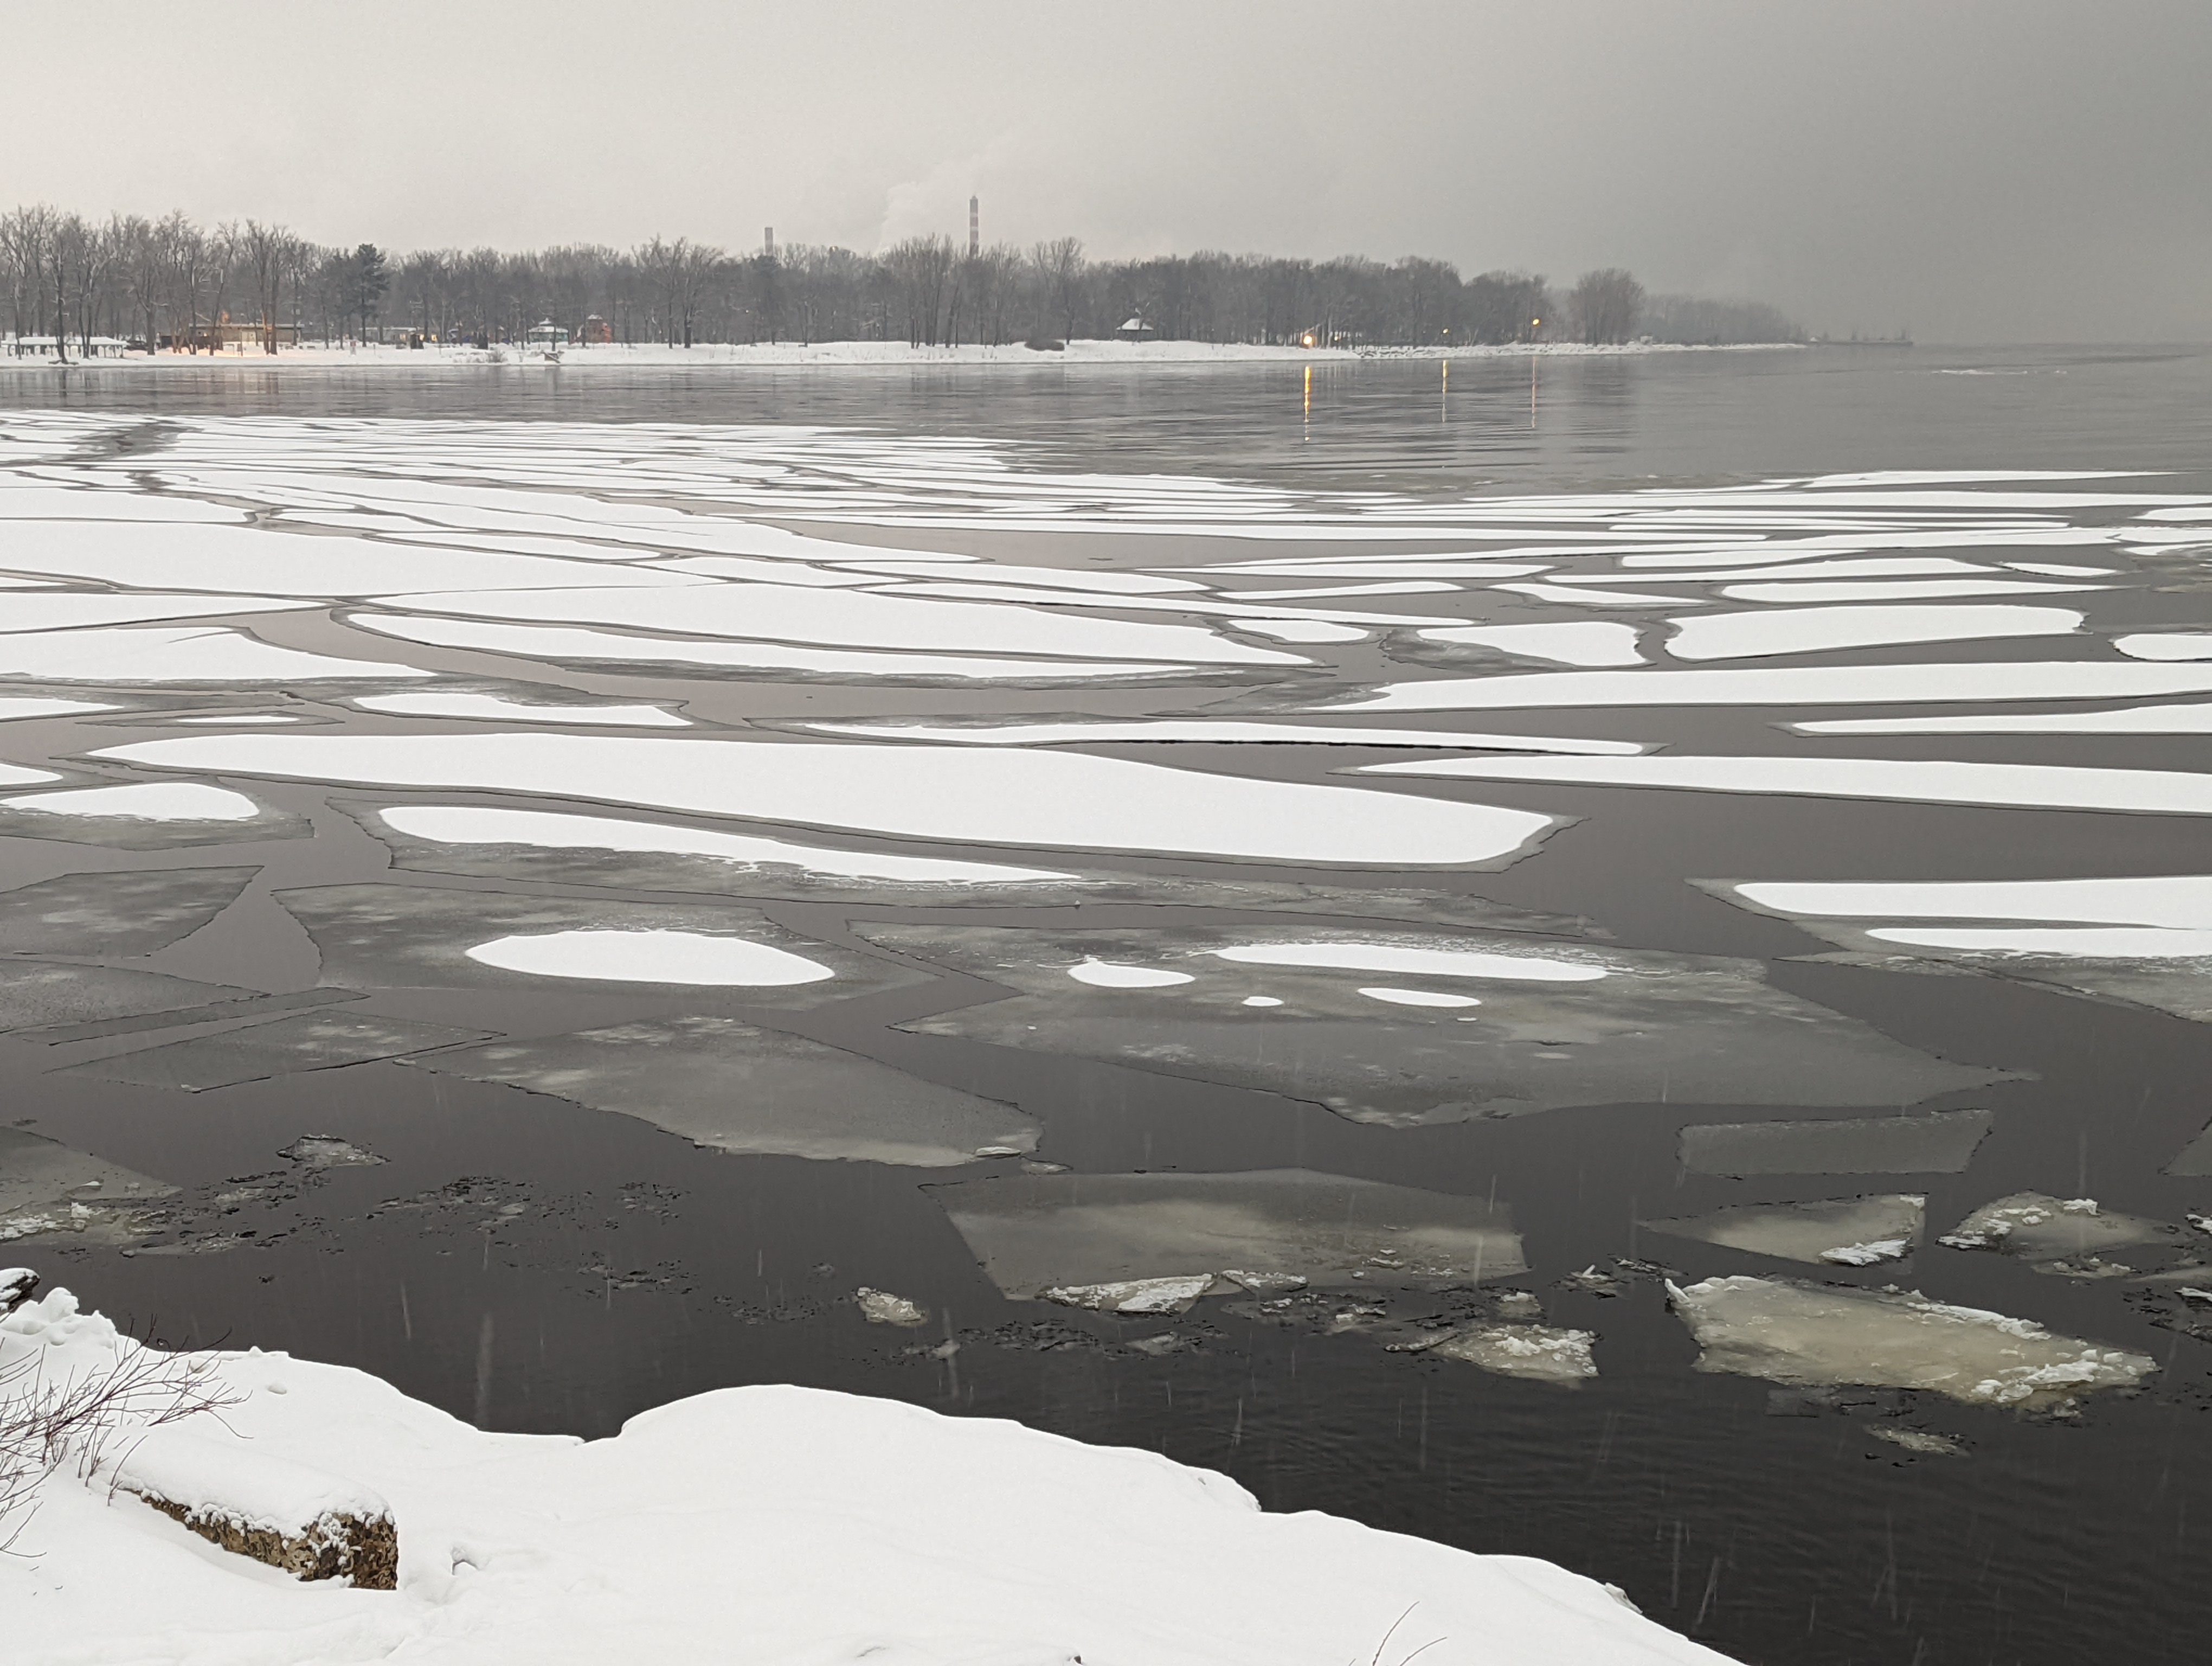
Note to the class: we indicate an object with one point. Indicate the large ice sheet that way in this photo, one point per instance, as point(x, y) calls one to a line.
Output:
point(1036, 1232)
point(1932, 1142)
point(305, 1040)
point(557, 644)
point(1795, 685)
point(59, 609)
point(1788, 1332)
point(1214, 733)
point(397, 936)
point(849, 618)
point(125, 912)
point(968, 794)
point(494, 708)
point(1826, 629)
point(1844, 1232)
point(1928, 781)
point(1655, 1028)
point(175, 654)
point(735, 1087)
point(244, 561)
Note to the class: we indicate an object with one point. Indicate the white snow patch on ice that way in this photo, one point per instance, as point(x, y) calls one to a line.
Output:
point(62, 610)
point(2180, 902)
point(174, 653)
point(2194, 719)
point(1108, 975)
point(652, 957)
point(13, 706)
point(1928, 781)
point(1418, 962)
point(491, 708)
point(152, 801)
point(1418, 997)
point(1795, 685)
point(1825, 629)
point(1226, 731)
point(2166, 645)
point(964, 793)
point(1901, 590)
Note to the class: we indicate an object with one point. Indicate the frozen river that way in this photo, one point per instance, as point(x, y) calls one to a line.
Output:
point(1610, 961)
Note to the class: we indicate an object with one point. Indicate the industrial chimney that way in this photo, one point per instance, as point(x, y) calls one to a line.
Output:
point(974, 228)
point(768, 241)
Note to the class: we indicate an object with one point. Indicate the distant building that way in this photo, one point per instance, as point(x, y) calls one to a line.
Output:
point(595, 332)
point(223, 335)
point(1133, 329)
point(545, 336)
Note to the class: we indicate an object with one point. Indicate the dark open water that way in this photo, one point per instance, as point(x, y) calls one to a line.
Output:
point(640, 1269)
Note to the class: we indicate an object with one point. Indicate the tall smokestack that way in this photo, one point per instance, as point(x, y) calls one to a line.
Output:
point(768, 241)
point(975, 226)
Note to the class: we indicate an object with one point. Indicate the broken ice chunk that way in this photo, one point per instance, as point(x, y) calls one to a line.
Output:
point(306, 1041)
point(47, 1187)
point(327, 1151)
point(735, 1087)
point(1788, 1332)
point(1848, 1232)
point(1418, 997)
point(1538, 1352)
point(1933, 1142)
point(880, 1307)
point(1168, 1295)
point(1919, 1441)
point(134, 912)
point(1034, 1232)
point(2060, 1234)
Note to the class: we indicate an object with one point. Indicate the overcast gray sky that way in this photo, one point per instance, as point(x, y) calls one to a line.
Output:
point(1974, 170)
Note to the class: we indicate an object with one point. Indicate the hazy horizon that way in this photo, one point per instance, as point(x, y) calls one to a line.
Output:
point(1973, 172)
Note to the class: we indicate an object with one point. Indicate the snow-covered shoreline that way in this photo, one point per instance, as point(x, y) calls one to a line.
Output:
point(768, 1525)
point(870, 354)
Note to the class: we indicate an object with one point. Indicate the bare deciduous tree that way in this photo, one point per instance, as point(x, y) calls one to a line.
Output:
point(1606, 303)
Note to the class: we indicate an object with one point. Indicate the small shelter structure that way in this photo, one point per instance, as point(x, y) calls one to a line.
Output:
point(1135, 328)
point(546, 337)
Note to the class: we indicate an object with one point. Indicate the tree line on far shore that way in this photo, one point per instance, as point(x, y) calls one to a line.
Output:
point(171, 281)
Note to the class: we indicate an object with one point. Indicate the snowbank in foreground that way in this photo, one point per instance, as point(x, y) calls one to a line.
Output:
point(881, 354)
point(763, 1524)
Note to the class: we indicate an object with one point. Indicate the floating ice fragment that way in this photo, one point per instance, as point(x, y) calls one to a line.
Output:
point(125, 913)
point(651, 956)
point(1418, 997)
point(1794, 685)
point(20, 706)
point(1035, 1233)
point(1167, 1295)
point(1901, 590)
point(1106, 975)
point(1927, 780)
point(980, 794)
point(2051, 1231)
point(176, 654)
point(492, 708)
point(1788, 1332)
point(1851, 1231)
point(327, 1151)
point(737, 1087)
point(41, 1178)
point(1407, 957)
point(280, 1047)
point(2166, 645)
point(1574, 642)
point(1933, 1142)
point(69, 610)
point(2193, 718)
point(880, 1307)
point(1299, 631)
point(1175, 731)
point(153, 801)
point(1828, 630)
point(1539, 1353)
point(1261, 1001)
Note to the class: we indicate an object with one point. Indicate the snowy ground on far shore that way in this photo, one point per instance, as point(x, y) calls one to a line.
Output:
point(758, 1524)
point(773, 354)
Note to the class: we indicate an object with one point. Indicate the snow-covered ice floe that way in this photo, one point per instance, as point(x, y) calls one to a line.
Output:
point(1504, 1023)
point(2189, 717)
point(1174, 731)
point(176, 654)
point(1111, 1240)
point(1925, 781)
point(2142, 939)
point(2058, 1235)
point(1539, 1353)
point(1791, 1332)
point(152, 800)
point(1793, 685)
point(837, 1527)
point(280, 1047)
point(47, 1187)
point(652, 957)
point(968, 794)
point(1769, 632)
point(1846, 1232)
point(494, 708)
point(732, 1087)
